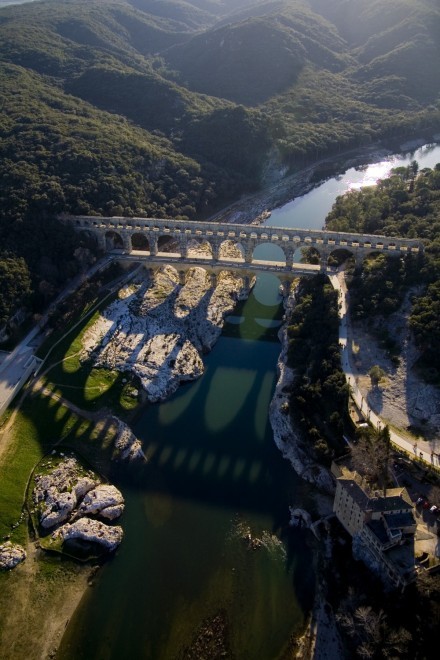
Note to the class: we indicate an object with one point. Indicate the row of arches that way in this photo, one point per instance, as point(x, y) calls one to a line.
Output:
point(249, 251)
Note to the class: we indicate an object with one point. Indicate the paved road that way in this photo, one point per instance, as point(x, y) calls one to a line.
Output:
point(21, 362)
point(422, 449)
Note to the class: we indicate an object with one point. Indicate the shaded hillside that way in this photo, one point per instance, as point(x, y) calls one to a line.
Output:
point(173, 107)
point(258, 56)
point(397, 41)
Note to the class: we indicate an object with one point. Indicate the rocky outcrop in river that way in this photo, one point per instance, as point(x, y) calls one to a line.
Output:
point(159, 327)
point(67, 500)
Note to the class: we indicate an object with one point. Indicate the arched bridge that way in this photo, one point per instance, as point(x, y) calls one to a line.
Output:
point(147, 237)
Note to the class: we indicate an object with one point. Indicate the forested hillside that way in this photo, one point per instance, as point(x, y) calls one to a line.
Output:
point(405, 204)
point(173, 107)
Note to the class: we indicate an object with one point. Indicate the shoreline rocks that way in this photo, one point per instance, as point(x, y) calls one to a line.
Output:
point(11, 554)
point(67, 495)
point(91, 531)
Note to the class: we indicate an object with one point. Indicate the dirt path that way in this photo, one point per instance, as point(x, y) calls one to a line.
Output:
point(36, 607)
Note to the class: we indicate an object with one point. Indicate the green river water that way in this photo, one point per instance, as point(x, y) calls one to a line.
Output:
point(213, 476)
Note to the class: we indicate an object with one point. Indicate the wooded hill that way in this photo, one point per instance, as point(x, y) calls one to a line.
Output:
point(405, 204)
point(173, 108)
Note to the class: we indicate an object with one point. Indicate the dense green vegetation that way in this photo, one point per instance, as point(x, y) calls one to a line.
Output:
point(171, 108)
point(319, 392)
point(405, 204)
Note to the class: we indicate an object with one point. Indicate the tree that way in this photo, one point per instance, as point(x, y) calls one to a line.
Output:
point(15, 286)
point(376, 374)
point(371, 455)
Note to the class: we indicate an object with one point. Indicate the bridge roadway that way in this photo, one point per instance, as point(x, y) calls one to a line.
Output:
point(149, 235)
point(278, 268)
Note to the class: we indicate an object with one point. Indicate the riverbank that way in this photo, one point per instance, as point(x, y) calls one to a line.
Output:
point(286, 437)
point(159, 327)
point(37, 600)
point(255, 208)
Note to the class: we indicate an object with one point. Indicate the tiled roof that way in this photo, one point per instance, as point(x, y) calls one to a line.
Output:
point(379, 531)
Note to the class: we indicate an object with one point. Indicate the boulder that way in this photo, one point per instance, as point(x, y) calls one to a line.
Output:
point(11, 555)
point(91, 531)
point(101, 498)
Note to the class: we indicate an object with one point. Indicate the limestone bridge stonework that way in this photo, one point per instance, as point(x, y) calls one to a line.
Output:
point(149, 233)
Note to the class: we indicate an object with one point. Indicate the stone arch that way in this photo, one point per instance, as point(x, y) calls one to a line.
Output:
point(268, 251)
point(113, 240)
point(230, 248)
point(166, 243)
point(310, 254)
point(199, 247)
point(140, 242)
point(339, 255)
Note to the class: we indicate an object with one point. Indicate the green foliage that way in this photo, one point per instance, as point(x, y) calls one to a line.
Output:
point(425, 324)
point(320, 391)
point(15, 286)
point(405, 204)
point(99, 113)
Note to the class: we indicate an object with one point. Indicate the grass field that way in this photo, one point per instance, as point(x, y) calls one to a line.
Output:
point(39, 426)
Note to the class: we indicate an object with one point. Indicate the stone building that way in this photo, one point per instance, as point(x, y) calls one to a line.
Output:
point(382, 527)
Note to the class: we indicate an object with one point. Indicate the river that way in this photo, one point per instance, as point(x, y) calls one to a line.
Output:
point(186, 568)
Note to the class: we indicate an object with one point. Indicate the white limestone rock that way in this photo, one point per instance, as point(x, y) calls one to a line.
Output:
point(66, 494)
point(101, 498)
point(127, 446)
point(91, 531)
point(57, 508)
point(160, 331)
point(11, 555)
point(83, 486)
point(58, 492)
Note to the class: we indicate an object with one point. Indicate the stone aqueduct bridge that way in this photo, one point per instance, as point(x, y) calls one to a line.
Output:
point(149, 234)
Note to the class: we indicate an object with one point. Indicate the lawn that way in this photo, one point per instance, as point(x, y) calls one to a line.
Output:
point(39, 426)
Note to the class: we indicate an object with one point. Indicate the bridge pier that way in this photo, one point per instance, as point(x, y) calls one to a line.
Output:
point(182, 277)
point(248, 252)
point(126, 242)
point(101, 241)
point(289, 257)
point(324, 261)
point(215, 246)
point(214, 279)
point(183, 244)
point(154, 249)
